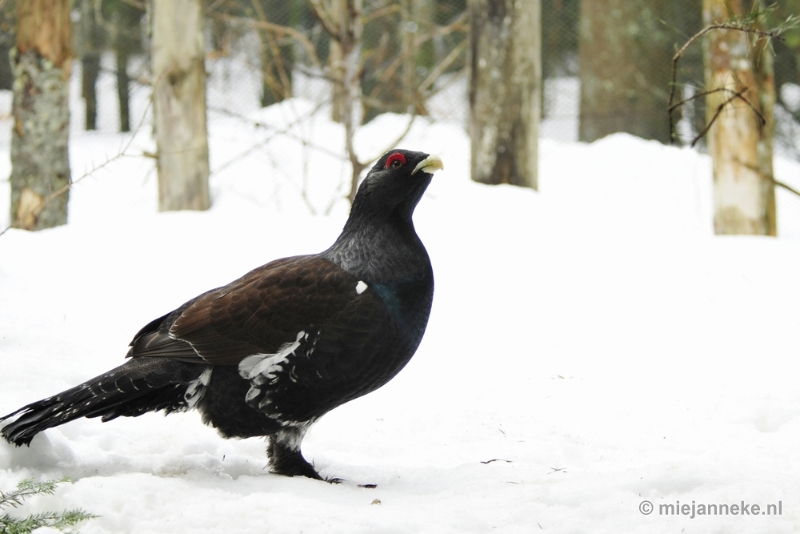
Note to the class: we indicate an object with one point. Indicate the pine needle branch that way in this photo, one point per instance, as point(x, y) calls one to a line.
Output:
point(28, 488)
point(25, 489)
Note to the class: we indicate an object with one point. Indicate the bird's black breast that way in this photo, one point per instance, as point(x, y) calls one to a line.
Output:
point(351, 354)
point(408, 302)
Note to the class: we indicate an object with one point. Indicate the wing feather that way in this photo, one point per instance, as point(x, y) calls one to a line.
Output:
point(256, 314)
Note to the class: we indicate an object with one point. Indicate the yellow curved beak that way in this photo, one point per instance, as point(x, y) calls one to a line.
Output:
point(429, 165)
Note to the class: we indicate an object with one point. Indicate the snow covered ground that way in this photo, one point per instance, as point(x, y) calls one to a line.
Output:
point(592, 345)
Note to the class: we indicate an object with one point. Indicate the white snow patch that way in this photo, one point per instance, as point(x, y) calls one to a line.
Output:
point(642, 358)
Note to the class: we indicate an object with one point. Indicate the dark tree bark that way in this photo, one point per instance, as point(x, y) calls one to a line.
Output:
point(91, 42)
point(6, 73)
point(740, 146)
point(126, 41)
point(7, 39)
point(90, 71)
point(505, 81)
point(179, 104)
point(277, 54)
point(123, 90)
point(624, 54)
point(40, 174)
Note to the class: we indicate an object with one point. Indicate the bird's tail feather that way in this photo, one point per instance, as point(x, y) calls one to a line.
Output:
point(141, 385)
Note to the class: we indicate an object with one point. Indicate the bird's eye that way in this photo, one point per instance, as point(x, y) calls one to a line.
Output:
point(395, 161)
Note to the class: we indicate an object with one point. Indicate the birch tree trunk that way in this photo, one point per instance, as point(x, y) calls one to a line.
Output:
point(740, 147)
point(179, 104)
point(40, 174)
point(504, 91)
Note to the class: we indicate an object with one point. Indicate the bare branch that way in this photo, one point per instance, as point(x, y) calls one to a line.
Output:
point(769, 177)
point(275, 132)
point(380, 12)
point(277, 28)
point(399, 138)
point(437, 71)
point(721, 107)
point(700, 95)
point(325, 18)
point(773, 34)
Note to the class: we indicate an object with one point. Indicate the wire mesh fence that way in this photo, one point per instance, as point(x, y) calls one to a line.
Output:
point(414, 59)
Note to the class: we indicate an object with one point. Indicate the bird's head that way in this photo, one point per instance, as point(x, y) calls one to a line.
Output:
point(395, 183)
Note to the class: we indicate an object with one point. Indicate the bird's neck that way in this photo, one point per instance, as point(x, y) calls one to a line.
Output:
point(381, 250)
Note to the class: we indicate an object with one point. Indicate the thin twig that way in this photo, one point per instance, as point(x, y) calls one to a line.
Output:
point(399, 138)
point(716, 114)
point(700, 95)
point(769, 177)
point(679, 54)
point(325, 18)
point(307, 45)
point(734, 95)
point(276, 132)
point(437, 71)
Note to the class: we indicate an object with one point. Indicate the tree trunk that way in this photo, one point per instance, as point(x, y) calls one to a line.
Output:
point(90, 71)
point(90, 47)
point(380, 83)
point(336, 61)
point(40, 174)
point(505, 82)
point(127, 42)
point(624, 53)
point(6, 72)
point(179, 104)
point(123, 90)
point(740, 146)
point(277, 55)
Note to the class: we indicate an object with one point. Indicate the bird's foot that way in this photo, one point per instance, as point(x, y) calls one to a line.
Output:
point(288, 461)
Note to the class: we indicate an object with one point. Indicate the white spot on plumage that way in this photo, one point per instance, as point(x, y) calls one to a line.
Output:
point(247, 364)
point(197, 388)
point(267, 365)
point(361, 286)
point(252, 393)
point(262, 369)
point(292, 436)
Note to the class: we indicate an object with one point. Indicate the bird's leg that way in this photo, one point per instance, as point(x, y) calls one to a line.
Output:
point(284, 454)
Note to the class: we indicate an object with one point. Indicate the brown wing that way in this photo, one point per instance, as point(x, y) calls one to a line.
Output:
point(256, 314)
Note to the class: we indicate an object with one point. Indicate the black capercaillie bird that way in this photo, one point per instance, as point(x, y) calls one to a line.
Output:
point(272, 352)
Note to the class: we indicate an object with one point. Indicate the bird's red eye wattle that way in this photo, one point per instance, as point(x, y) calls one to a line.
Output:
point(395, 160)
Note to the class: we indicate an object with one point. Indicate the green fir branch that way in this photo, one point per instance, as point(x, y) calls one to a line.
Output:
point(27, 488)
